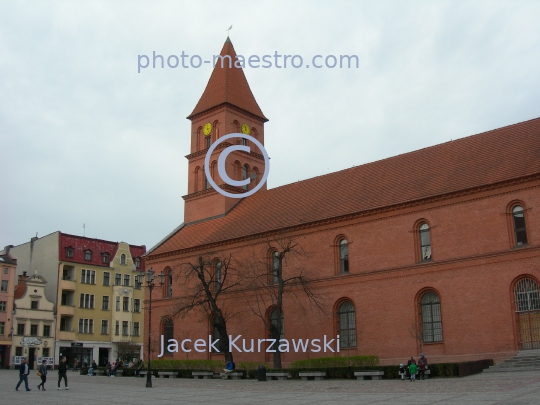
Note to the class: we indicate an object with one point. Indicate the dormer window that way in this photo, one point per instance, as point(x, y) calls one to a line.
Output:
point(123, 259)
point(87, 255)
point(69, 252)
point(105, 258)
point(137, 262)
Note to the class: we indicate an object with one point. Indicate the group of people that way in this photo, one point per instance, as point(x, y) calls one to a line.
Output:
point(24, 371)
point(412, 368)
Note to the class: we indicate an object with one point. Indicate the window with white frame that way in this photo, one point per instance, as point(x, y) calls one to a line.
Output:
point(86, 325)
point(88, 276)
point(86, 301)
point(136, 305)
point(104, 327)
point(106, 279)
point(105, 303)
point(125, 328)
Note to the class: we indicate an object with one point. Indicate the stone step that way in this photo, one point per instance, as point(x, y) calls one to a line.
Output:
point(525, 360)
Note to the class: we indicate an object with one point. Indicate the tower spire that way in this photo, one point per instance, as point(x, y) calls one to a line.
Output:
point(228, 85)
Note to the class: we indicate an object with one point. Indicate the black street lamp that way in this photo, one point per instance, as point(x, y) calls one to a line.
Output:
point(150, 282)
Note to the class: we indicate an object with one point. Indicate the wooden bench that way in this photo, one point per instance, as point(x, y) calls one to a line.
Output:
point(202, 374)
point(364, 375)
point(233, 375)
point(168, 374)
point(315, 375)
point(100, 372)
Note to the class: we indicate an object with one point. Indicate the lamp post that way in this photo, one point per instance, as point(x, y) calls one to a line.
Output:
point(150, 282)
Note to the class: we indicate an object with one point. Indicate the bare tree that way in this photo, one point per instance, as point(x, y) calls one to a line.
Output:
point(417, 333)
point(206, 280)
point(126, 349)
point(267, 285)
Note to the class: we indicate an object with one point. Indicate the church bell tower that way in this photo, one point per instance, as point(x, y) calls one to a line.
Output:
point(226, 106)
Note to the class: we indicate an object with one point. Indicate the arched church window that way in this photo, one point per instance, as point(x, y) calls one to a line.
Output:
point(520, 231)
point(347, 325)
point(425, 242)
point(430, 312)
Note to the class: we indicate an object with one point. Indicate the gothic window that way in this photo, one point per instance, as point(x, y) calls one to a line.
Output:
point(430, 312)
point(245, 175)
point(274, 263)
point(168, 333)
point(347, 325)
point(425, 242)
point(208, 141)
point(277, 321)
point(343, 256)
point(196, 180)
point(167, 286)
point(216, 335)
point(520, 231)
point(218, 275)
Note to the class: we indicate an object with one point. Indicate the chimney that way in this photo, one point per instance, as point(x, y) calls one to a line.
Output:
point(22, 278)
point(7, 249)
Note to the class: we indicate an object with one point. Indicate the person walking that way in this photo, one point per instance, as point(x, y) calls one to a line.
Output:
point(62, 373)
point(422, 366)
point(24, 370)
point(42, 372)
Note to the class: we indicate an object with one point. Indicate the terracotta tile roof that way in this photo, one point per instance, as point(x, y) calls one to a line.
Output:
point(20, 290)
point(491, 157)
point(228, 85)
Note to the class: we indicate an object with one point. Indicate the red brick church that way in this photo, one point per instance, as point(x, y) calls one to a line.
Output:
point(435, 250)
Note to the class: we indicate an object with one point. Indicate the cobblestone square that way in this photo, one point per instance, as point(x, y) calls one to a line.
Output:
point(494, 388)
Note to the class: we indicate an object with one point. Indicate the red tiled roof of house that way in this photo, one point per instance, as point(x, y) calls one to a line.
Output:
point(138, 251)
point(228, 85)
point(487, 158)
point(20, 290)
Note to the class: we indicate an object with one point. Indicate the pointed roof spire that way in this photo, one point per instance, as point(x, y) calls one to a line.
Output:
point(228, 84)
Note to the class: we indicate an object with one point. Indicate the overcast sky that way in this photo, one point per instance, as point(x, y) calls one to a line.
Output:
point(87, 139)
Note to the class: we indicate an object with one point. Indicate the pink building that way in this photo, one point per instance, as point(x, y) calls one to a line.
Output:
point(8, 266)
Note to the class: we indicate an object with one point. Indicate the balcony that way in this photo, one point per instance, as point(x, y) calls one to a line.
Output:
point(68, 285)
point(65, 335)
point(68, 310)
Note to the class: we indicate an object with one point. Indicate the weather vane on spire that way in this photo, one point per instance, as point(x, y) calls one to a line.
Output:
point(230, 28)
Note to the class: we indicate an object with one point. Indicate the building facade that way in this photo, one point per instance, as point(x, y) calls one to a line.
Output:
point(433, 251)
point(98, 306)
point(33, 317)
point(7, 289)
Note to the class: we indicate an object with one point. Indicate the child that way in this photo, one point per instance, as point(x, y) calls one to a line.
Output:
point(412, 371)
point(402, 371)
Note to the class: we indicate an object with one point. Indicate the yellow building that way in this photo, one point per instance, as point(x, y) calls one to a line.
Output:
point(99, 309)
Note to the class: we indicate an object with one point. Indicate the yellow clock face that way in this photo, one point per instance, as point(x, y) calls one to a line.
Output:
point(207, 129)
point(245, 129)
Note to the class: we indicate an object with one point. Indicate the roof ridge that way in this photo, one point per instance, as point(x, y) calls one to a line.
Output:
point(401, 154)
